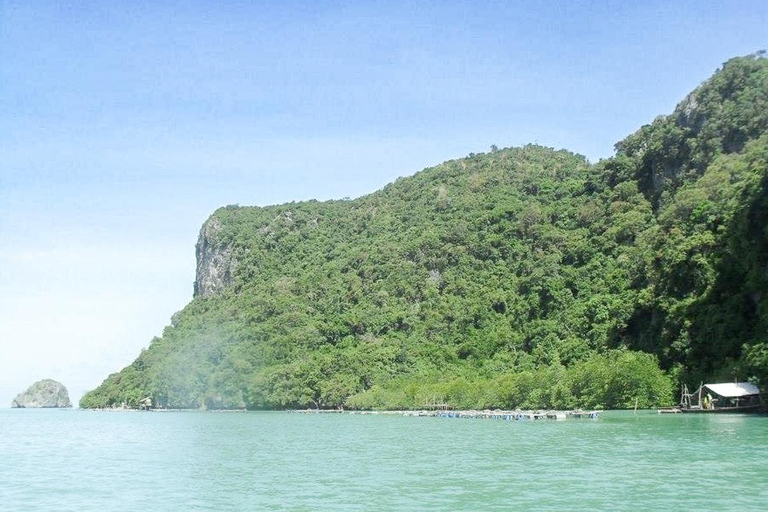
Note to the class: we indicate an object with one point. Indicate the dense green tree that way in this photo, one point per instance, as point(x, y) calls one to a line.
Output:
point(524, 277)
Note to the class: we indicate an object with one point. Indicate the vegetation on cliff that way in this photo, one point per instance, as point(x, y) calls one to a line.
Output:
point(520, 277)
point(46, 393)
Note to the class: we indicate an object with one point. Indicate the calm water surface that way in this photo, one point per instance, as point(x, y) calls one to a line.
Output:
point(73, 460)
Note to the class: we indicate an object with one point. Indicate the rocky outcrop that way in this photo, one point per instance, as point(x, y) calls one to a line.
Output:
point(44, 393)
point(215, 262)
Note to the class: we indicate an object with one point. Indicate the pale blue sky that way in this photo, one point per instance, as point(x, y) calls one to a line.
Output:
point(123, 125)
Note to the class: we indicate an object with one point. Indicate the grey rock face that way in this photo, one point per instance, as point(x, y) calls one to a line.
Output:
point(215, 262)
point(44, 393)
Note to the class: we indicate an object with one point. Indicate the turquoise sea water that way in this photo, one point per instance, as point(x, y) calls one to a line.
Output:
point(72, 460)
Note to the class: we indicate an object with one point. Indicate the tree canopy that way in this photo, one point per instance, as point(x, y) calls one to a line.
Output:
point(522, 277)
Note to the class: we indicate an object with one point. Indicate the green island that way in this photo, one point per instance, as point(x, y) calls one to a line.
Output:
point(521, 277)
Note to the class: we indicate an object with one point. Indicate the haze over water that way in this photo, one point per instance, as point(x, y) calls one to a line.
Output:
point(87, 460)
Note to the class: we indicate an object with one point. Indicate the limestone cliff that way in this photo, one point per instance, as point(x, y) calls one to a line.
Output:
point(215, 261)
point(44, 393)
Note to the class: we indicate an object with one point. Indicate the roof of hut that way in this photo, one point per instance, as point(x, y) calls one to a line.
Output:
point(733, 389)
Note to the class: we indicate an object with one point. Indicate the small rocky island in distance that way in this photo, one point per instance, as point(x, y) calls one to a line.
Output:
point(46, 393)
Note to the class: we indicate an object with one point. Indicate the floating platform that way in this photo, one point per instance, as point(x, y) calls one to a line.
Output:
point(316, 411)
point(518, 415)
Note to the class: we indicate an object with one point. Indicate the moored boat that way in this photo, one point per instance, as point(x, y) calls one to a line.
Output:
point(727, 397)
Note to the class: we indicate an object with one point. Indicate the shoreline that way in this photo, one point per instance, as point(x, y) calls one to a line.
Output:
point(517, 414)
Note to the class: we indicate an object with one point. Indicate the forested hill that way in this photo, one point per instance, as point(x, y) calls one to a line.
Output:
point(521, 277)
